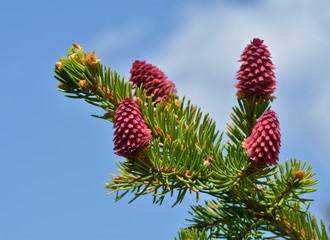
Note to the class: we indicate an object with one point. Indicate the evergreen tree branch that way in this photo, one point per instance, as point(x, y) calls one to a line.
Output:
point(283, 218)
point(185, 155)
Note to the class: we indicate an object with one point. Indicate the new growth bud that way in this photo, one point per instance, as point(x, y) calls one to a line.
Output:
point(63, 86)
point(59, 65)
point(83, 84)
point(76, 52)
point(76, 46)
point(299, 175)
point(92, 60)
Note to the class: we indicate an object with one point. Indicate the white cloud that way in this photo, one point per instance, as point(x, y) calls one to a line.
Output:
point(320, 118)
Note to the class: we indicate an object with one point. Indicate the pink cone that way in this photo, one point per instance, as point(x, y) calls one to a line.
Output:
point(256, 76)
point(153, 81)
point(263, 145)
point(132, 133)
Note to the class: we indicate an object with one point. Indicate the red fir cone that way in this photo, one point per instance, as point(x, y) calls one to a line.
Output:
point(256, 76)
point(153, 81)
point(263, 145)
point(132, 133)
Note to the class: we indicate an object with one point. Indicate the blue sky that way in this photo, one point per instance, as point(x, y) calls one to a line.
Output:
point(55, 156)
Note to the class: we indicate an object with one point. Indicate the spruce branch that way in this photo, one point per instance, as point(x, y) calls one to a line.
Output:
point(171, 148)
point(179, 155)
point(264, 205)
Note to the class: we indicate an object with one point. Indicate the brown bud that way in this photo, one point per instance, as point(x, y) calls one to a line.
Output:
point(109, 115)
point(76, 46)
point(177, 102)
point(116, 178)
point(92, 60)
point(138, 101)
point(83, 84)
point(63, 86)
point(76, 53)
point(59, 65)
point(299, 175)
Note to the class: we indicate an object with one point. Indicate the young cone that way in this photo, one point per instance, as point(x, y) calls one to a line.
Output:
point(153, 81)
point(131, 134)
point(263, 145)
point(256, 76)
